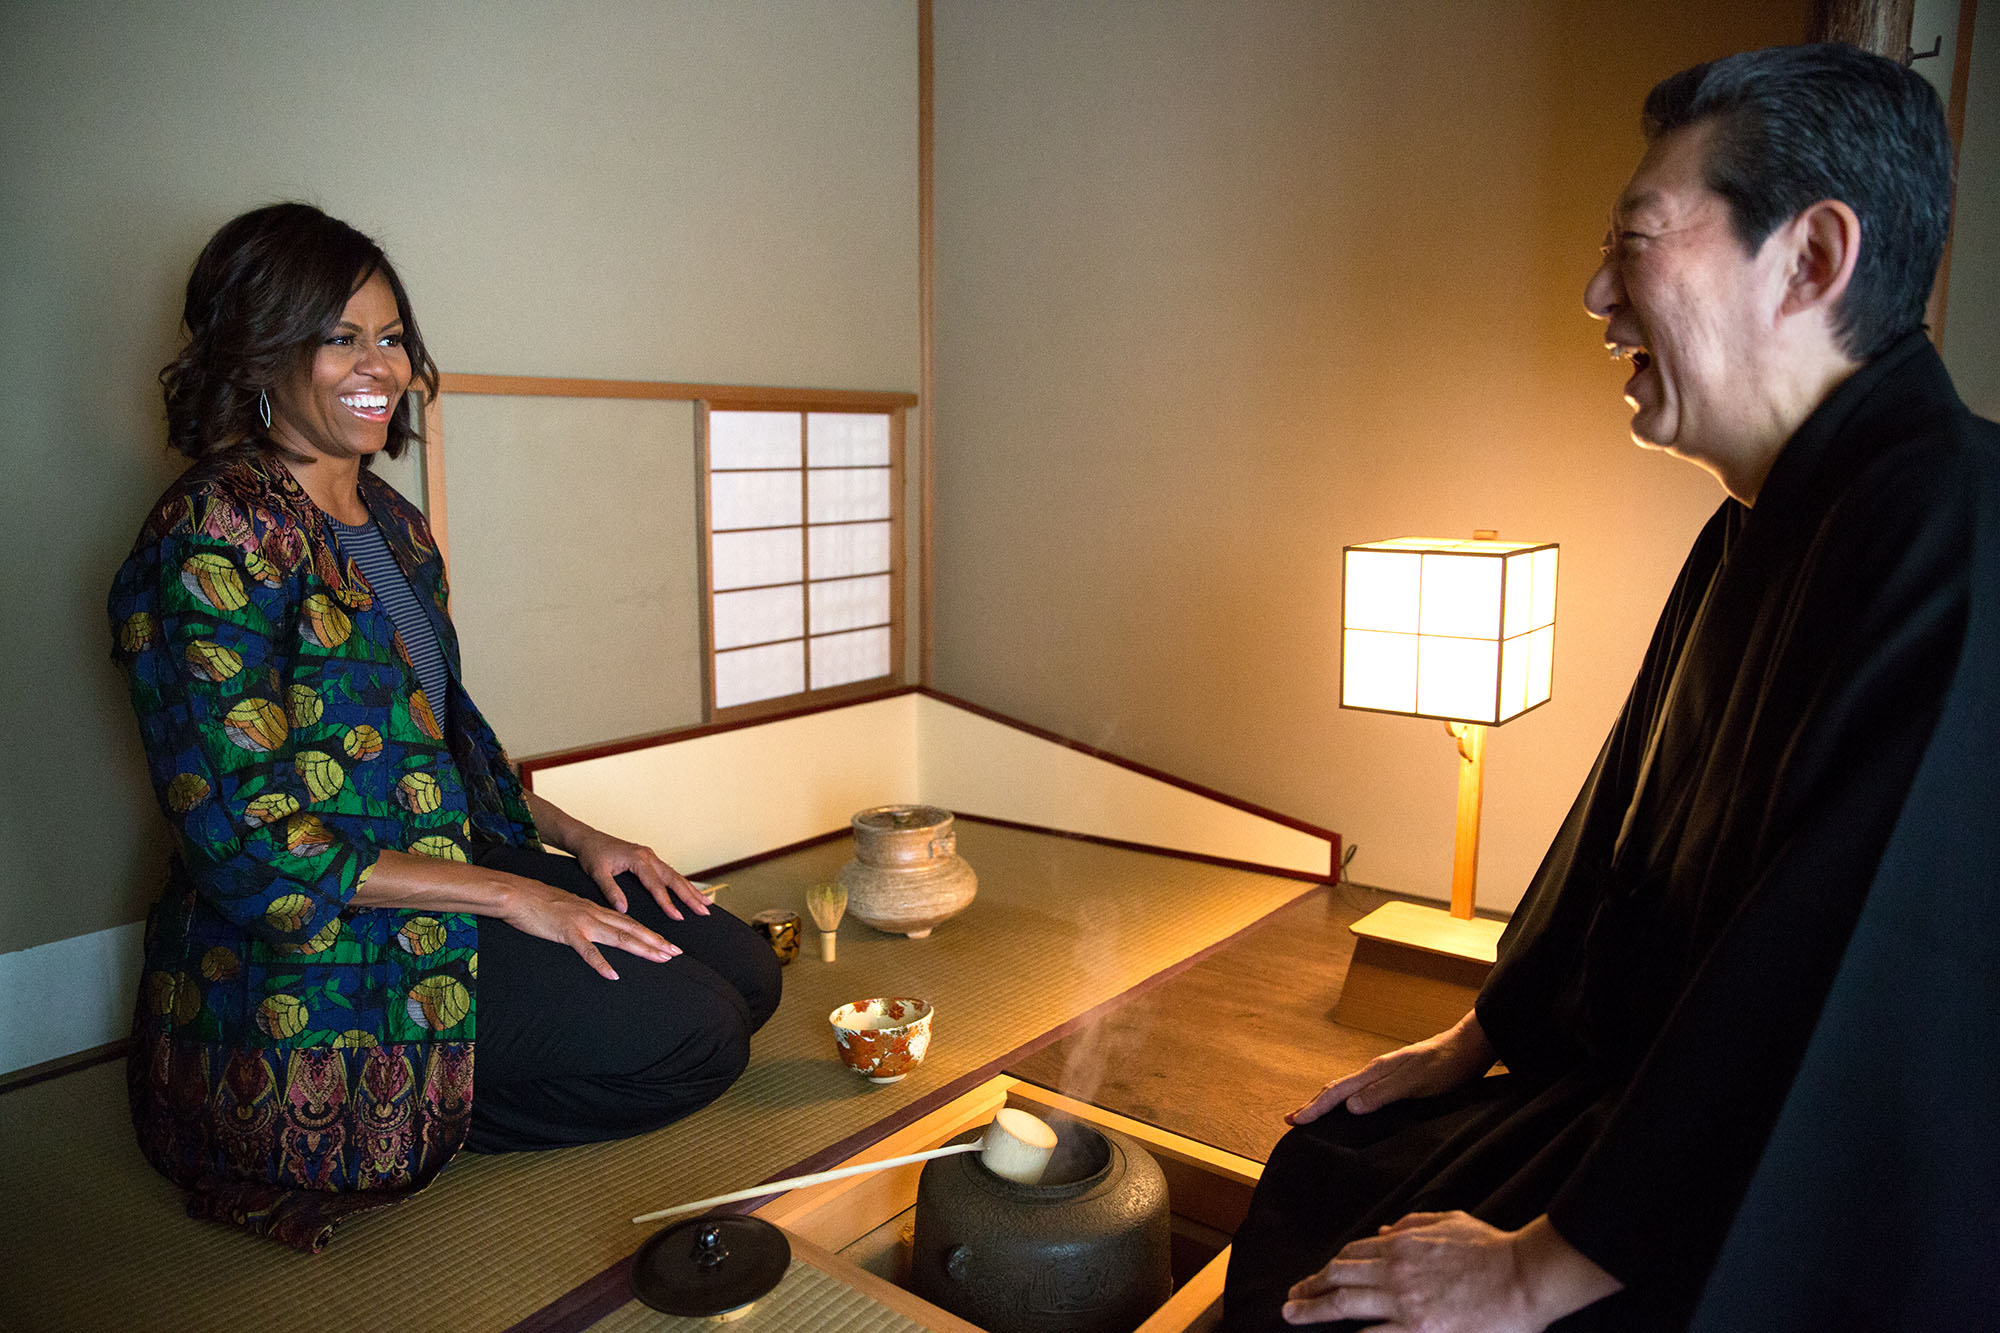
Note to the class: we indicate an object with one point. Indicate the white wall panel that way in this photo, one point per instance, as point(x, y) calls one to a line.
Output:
point(575, 583)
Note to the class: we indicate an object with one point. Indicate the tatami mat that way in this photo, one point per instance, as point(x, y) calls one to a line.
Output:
point(804, 1301)
point(94, 1240)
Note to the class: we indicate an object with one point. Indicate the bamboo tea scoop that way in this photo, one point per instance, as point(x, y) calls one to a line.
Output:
point(1016, 1146)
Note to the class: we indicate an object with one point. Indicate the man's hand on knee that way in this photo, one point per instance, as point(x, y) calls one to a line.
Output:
point(1424, 1069)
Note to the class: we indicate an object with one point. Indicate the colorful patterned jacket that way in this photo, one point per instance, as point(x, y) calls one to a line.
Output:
point(296, 1058)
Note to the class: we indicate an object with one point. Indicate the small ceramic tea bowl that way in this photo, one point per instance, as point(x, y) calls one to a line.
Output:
point(882, 1039)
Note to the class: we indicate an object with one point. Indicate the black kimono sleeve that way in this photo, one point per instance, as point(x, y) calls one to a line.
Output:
point(1869, 631)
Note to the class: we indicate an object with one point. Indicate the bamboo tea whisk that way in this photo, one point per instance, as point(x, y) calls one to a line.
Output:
point(827, 903)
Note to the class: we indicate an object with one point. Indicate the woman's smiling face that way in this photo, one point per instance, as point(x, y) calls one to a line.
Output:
point(338, 404)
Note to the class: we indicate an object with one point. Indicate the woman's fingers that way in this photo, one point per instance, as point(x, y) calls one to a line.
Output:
point(685, 888)
point(591, 954)
point(607, 884)
point(623, 932)
point(669, 888)
point(584, 925)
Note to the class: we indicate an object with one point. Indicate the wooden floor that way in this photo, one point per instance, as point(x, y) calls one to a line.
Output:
point(1220, 1051)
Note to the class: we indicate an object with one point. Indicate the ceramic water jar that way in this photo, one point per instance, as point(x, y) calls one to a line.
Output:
point(906, 875)
point(1087, 1250)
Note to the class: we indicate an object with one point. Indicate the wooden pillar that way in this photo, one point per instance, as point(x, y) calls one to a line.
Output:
point(1881, 26)
point(1954, 119)
point(926, 332)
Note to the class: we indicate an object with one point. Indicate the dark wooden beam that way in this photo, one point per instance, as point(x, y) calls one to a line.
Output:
point(1881, 26)
point(1954, 118)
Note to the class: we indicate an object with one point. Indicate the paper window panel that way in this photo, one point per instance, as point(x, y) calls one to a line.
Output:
point(759, 616)
point(1531, 591)
point(1382, 588)
point(1526, 669)
point(755, 559)
point(1456, 678)
point(848, 549)
point(841, 659)
point(1545, 588)
point(842, 495)
point(847, 439)
point(850, 604)
point(1378, 670)
point(750, 675)
point(752, 499)
point(1461, 596)
point(753, 439)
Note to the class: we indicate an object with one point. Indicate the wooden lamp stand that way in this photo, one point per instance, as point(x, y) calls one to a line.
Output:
point(1416, 969)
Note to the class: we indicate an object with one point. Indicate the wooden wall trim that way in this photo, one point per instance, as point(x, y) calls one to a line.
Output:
point(1954, 119)
point(720, 395)
point(926, 327)
point(556, 758)
point(1144, 770)
point(530, 765)
point(434, 509)
point(1331, 876)
point(17, 1079)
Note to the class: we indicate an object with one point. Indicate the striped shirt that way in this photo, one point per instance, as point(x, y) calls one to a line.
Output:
point(365, 547)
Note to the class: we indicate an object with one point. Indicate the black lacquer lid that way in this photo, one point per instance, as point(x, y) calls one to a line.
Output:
point(710, 1265)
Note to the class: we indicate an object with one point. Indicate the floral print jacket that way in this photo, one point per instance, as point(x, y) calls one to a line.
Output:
point(297, 1058)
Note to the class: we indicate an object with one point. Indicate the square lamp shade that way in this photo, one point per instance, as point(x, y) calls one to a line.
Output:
point(1451, 628)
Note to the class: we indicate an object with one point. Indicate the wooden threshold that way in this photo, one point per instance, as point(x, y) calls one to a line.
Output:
point(720, 395)
point(28, 1076)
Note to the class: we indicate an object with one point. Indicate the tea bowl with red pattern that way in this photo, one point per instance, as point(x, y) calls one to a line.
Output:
point(882, 1039)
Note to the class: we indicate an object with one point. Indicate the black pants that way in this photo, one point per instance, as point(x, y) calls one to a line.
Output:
point(566, 1056)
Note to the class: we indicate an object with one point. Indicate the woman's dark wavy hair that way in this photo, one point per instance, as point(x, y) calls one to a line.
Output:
point(1798, 124)
point(268, 287)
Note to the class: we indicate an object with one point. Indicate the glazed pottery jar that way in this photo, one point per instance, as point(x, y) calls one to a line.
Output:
point(1085, 1251)
point(906, 875)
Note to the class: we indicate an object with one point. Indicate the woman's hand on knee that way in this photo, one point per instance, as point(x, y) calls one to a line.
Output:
point(606, 857)
point(1423, 1069)
point(428, 884)
point(549, 913)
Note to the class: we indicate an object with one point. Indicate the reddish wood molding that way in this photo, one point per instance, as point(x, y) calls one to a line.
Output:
point(1145, 770)
point(1226, 862)
point(721, 395)
point(528, 767)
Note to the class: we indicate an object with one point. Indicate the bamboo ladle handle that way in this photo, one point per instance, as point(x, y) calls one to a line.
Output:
point(1016, 1145)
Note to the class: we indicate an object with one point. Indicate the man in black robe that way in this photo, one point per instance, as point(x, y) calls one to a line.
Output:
point(1779, 773)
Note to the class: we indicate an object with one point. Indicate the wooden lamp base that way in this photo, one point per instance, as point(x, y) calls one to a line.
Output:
point(1416, 970)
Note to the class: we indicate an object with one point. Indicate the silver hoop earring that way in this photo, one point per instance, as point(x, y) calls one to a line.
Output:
point(264, 408)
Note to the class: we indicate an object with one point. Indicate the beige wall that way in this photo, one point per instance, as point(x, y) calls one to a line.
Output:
point(1222, 287)
point(650, 189)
